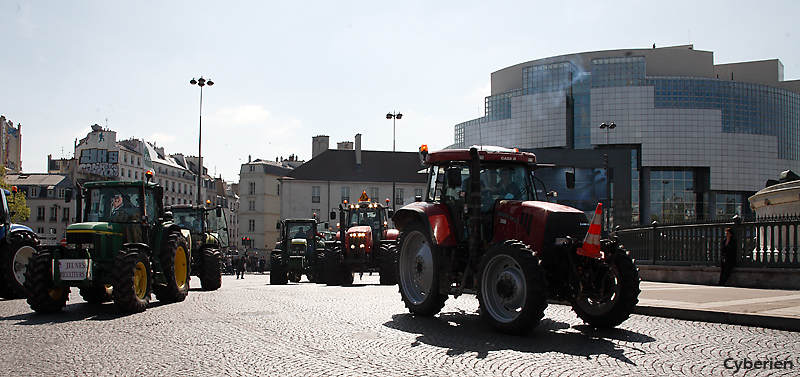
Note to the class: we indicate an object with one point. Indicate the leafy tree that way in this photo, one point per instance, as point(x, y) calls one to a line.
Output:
point(16, 203)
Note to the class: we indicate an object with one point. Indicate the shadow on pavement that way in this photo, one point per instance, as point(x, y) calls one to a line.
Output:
point(79, 311)
point(462, 333)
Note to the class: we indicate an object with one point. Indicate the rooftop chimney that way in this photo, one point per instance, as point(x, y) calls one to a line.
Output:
point(358, 152)
point(319, 144)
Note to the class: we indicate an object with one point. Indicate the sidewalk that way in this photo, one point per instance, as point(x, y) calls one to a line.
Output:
point(768, 308)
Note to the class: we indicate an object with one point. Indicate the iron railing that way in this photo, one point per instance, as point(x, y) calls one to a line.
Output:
point(763, 242)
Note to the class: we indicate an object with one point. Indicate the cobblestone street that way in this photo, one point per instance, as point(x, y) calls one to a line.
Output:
point(249, 327)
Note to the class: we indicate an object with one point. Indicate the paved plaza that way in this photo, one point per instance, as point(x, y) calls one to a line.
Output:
point(251, 328)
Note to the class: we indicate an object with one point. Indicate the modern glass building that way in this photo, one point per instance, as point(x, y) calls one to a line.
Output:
point(692, 139)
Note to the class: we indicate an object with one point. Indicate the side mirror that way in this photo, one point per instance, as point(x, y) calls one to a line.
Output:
point(68, 196)
point(390, 212)
point(454, 177)
point(418, 198)
point(168, 216)
point(278, 225)
point(159, 193)
point(333, 215)
point(219, 212)
point(570, 177)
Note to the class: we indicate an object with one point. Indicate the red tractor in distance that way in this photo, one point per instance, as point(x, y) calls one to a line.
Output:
point(364, 242)
point(482, 229)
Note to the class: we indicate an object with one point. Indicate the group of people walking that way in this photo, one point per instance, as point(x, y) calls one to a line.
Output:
point(240, 265)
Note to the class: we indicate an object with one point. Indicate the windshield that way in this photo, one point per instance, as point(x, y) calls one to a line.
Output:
point(187, 218)
point(498, 182)
point(116, 204)
point(366, 216)
point(301, 230)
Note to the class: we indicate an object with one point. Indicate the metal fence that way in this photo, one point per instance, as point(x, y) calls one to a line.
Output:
point(763, 242)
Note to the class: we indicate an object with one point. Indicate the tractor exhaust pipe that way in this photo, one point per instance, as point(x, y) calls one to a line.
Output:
point(474, 204)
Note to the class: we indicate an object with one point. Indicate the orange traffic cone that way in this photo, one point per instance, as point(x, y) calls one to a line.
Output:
point(591, 245)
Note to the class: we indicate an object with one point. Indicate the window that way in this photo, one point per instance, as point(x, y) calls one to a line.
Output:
point(53, 213)
point(35, 193)
point(252, 188)
point(251, 205)
point(345, 194)
point(40, 230)
point(417, 193)
point(49, 193)
point(374, 193)
point(278, 189)
point(251, 225)
point(65, 214)
point(52, 230)
point(252, 168)
point(398, 197)
point(61, 193)
point(40, 213)
point(136, 175)
point(314, 194)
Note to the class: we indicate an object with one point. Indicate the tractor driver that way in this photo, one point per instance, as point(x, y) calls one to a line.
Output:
point(505, 189)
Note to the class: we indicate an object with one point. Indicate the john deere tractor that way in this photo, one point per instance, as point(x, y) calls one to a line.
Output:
point(124, 250)
point(208, 234)
point(298, 252)
point(17, 244)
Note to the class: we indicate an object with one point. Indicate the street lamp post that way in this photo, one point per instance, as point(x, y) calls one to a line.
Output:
point(201, 82)
point(607, 128)
point(394, 116)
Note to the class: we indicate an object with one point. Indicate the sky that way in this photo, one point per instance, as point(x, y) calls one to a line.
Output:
point(287, 71)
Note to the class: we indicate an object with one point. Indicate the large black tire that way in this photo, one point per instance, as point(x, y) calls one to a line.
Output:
point(211, 273)
point(336, 272)
point(418, 264)
point(133, 281)
point(13, 262)
point(97, 294)
point(278, 272)
point(319, 268)
point(43, 297)
point(387, 260)
point(175, 260)
point(512, 288)
point(614, 301)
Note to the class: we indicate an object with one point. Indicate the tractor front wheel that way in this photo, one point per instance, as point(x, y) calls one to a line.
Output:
point(133, 281)
point(615, 295)
point(43, 296)
point(387, 260)
point(418, 264)
point(512, 289)
point(175, 262)
point(211, 273)
point(278, 272)
point(13, 263)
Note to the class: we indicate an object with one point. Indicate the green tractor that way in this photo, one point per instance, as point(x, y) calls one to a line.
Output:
point(209, 235)
point(298, 252)
point(124, 250)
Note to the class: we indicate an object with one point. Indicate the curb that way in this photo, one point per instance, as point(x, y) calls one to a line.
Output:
point(755, 320)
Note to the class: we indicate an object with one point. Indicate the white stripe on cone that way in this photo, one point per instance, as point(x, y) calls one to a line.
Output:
point(591, 245)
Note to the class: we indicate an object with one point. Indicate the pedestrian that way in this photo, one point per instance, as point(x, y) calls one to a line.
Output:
point(240, 266)
point(262, 264)
point(727, 257)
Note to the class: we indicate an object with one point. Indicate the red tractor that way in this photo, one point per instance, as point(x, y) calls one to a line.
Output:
point(482, 229)
point(364, 242)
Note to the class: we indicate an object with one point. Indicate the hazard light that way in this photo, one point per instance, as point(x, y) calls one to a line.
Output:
point(364, 197)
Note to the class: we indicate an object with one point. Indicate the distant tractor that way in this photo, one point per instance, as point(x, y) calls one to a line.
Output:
point(208, 236)
point(364, 242)
point(17, 244)
point(124, 250)
point(298, 252)
point(482, 229)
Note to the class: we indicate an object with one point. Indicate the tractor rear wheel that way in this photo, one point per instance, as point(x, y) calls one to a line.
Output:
point(278, 272)
point(97, 295)
point(387, 260)
point(613, 301)
point(211, 273)
point(13, 262)
point(133, 280)
point(43, 296)
point(512, 288)
point(418, 264)
point(175, 262)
